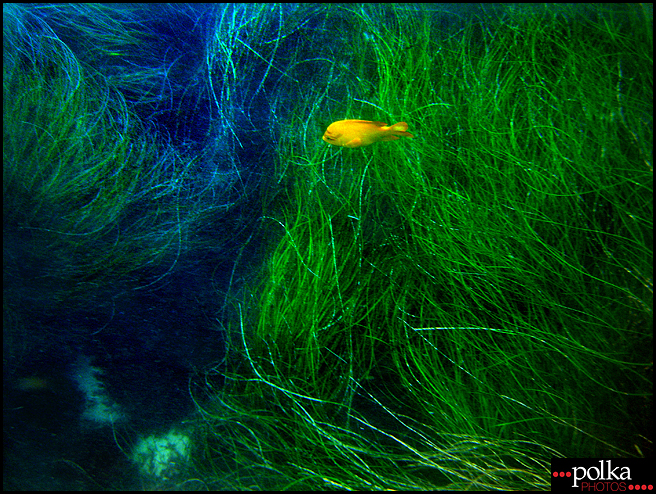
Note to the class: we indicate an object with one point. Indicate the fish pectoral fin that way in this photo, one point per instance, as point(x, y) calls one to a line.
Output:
point(354, 143)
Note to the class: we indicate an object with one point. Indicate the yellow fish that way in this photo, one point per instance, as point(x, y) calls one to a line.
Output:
point(357, 133)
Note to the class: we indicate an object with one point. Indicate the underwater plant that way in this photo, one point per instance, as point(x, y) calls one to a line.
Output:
point(455, 313)
point(447, 312)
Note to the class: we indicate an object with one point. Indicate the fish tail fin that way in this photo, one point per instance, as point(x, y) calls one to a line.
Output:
point(400, 129)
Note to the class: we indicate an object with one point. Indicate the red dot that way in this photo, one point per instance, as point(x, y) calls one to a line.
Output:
point(555, 474)
point(569, 474)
